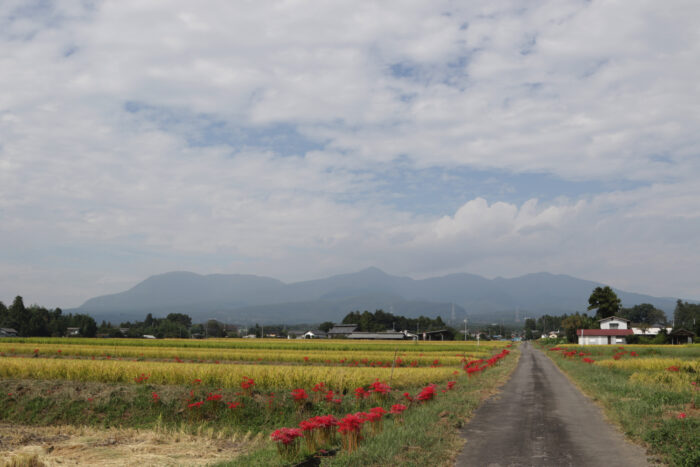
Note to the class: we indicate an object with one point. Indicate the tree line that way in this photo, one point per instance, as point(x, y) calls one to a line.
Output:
point(37, 321)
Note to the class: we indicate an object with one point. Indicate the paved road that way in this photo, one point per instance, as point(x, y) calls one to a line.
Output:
point(541, 419)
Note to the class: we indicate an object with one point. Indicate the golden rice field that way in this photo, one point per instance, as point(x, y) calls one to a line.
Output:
point(271, 367)
point(266, 376)
point(425, 357)
point(268, 344)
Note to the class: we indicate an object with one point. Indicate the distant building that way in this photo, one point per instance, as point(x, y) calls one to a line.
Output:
point(315, 334)
point(390, 335)
point(438, 335)
point(341, 330)
point(640, 330)
point(8, 332)
point(613, 330)
point(681, 336)
point(72, 332)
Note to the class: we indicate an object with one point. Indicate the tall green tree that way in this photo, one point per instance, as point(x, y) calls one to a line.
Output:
point(605, 300)
point(643, 313)
point(687, 316)
point(577, 321)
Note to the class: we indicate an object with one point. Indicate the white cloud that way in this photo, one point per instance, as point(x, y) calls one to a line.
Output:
point(584, 91)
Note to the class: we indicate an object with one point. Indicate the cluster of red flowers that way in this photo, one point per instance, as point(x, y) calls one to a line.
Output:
point(141, 379)
point(287, 441)
point(299, 395)
point(426, 394)
point(673, 368)
point(247, 384)
point(588, 360)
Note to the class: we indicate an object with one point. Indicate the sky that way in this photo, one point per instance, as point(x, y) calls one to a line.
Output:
point(299, 139)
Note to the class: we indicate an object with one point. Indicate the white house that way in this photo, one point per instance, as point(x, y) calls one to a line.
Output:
point(652, 330)
point(613, 330)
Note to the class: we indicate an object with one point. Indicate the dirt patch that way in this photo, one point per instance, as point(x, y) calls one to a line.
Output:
point(71, 445)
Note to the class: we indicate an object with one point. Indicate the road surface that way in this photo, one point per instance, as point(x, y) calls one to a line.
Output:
point(541, 419)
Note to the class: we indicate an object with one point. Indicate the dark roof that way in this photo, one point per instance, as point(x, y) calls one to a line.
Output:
point(682, 332)
point(614, 317)
point(377, 335)
point(342, 328)
point(604, 332)
point(8, 330)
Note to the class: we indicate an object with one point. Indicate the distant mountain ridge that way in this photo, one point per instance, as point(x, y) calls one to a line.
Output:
point(244, 299)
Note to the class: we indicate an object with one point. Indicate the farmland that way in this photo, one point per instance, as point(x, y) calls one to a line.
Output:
point(650, 391)
point(235, 393)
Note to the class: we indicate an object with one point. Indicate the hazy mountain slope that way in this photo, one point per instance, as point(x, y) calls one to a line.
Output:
point(236, 297)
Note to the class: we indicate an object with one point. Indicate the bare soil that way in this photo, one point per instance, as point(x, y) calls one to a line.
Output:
point(72, 445)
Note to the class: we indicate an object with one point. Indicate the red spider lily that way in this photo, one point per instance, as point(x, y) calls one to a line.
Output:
point(59, 351)
point(414, 363)
point(235, 405)
point(455, 372)
point(473, 369)
point(142, 378)
point(287, 441)
point(197, 381)
point(36, 351)
point(349, 427)
point(319, 387)
point(450, 385)
point(379, 389)
point(398, 408)
point(195, 405)
point(673, 368)
point(427, 393)
point(308, 426)
point(325, 432)
point(408, 397)
point(247, 384)
point(214, 397)
point(633, 354)
point(360, 393)
point(306, 359)
point(155, 397)
point(299, 395)
point(588, 360)
point(682, 415)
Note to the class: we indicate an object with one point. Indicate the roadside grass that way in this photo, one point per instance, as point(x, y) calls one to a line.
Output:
point(662, 416)
point(429, 434)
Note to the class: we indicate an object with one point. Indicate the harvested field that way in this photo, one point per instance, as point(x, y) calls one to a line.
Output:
point(71, 445)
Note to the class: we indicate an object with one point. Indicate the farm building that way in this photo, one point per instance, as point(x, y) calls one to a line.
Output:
point(341, 330)
point(8, 332)
point(392, 335)
point(613, 330)
point(681, 336)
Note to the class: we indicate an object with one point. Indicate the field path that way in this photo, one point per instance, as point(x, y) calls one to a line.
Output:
point(541, 419)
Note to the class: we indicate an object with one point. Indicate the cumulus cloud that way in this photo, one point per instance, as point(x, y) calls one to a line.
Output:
point(139, 137)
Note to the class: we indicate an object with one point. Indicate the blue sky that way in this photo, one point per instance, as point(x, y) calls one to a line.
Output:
point(302, 139)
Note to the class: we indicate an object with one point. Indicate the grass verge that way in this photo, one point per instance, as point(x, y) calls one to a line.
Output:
point(661, 417)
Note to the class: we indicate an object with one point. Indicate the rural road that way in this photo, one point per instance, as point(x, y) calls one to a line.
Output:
point(541, 419)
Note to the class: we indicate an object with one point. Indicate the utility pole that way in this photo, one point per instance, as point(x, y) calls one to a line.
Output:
point(465, 329)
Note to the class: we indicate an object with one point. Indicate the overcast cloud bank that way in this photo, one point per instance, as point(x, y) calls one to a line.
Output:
point(301, 139)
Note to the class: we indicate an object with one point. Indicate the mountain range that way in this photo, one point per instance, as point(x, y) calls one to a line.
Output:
point(248, 299)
